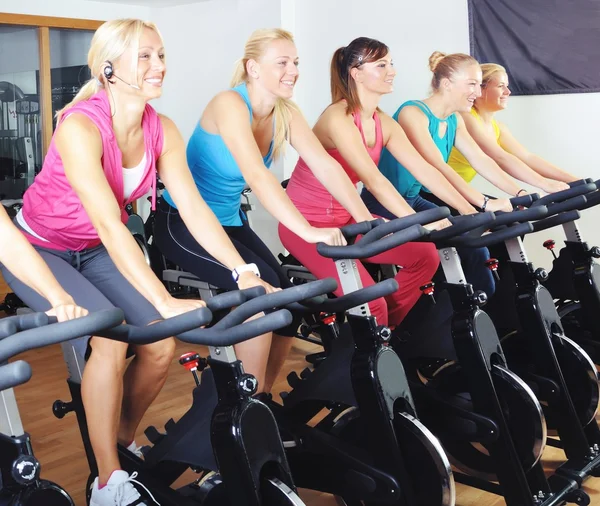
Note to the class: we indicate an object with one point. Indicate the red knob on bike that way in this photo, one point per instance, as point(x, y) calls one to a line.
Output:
point(190, 361)
point(549, 245)
point(428, 288)
point(327, 318)
point(492, 265)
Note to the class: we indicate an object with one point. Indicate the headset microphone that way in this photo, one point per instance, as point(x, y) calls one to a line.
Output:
point(109, 74)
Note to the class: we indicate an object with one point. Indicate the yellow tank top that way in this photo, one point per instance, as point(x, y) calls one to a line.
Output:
point(459, 163)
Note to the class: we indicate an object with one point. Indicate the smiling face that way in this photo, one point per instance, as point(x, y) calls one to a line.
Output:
point(151, 67)
point(463, 87)
point(276, 70)
point(495, 94)
point(377, 76)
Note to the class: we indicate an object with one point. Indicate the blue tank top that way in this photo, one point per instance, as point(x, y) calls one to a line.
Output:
point(406, 184)
point(215, 171)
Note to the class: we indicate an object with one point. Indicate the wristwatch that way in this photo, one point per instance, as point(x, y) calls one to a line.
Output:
point(485, 201)
point(235, 273)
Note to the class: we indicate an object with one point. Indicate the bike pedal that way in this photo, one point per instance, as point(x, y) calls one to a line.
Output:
point(293, 379)
point(153, 435)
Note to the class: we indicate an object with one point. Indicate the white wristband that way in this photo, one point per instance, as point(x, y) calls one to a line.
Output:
point(235, 273)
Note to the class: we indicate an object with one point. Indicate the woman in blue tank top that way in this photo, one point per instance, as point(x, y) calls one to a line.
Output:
point(241, 132)
point(434, 128)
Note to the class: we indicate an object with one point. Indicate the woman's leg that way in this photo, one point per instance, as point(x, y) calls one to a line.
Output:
point(147, 372)
point(179, 246)
point(322, 267)
point(102, 382)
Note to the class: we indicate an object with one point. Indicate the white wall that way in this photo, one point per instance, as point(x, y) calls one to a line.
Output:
point(561, 129)
point(81, 9)
point(203, 41)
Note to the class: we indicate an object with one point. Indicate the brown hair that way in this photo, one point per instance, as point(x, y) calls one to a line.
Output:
point(358, 52)
point(255, 46)
point(445, 65)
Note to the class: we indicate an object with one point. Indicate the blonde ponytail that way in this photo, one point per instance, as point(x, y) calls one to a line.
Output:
point(109, 43)
point(255, 46)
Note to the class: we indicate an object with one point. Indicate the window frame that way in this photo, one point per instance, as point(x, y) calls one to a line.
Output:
point(43, 24)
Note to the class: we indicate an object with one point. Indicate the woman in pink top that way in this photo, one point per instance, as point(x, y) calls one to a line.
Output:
point(108, 145)
point(354, 132)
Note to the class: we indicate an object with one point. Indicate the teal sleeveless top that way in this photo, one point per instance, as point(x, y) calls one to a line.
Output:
point(215, 171)
point(406, 184)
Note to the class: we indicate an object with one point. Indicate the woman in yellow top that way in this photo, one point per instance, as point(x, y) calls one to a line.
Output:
point(498, 143)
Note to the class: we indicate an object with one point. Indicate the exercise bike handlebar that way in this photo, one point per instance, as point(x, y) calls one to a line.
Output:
point(53, 333)
point(575, 191)
point(462, 224)
point(557, 219)
point(574, 203)
point(351, 231)
point(231, 329)
point(360, 250)
point(13, 324)
point(504, 234)
point(14, 374)
point(579, 182)
point(525, 200)
point(159, 330)
point(350, 300)
point(521, 216)
point(593, 199)
point(276, 300)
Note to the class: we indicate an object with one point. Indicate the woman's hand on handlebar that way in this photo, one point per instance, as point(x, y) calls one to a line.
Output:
point(499, 205)
point(172, 307)
point(330, 236)
point(438, 225)
point(250, 280)
point(552, 186)
point(66, 309)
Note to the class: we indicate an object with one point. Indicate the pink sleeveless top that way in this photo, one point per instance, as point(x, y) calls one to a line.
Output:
point(311, 198)
point(52, 209)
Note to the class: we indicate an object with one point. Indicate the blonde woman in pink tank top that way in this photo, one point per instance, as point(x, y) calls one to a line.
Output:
point(354, 131)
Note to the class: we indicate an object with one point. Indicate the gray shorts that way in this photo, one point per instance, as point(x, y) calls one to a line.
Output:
point(94, 282)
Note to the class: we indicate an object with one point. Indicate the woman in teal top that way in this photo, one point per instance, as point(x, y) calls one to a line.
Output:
point(456, 83)
point(241, 131)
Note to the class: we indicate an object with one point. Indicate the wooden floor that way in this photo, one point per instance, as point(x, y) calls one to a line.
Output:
point(57, 443)
point(58, 446)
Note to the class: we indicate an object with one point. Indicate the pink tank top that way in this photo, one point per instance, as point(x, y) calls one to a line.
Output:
point(311, 198)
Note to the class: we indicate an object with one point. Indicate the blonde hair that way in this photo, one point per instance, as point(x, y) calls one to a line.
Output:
point(489, 70)
point(255, 47)
point(445, 65)
point(109, 43)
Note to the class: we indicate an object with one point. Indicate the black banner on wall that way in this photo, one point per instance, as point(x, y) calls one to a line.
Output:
point(547, 46)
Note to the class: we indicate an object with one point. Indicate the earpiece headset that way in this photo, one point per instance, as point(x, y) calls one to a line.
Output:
point(109, 73)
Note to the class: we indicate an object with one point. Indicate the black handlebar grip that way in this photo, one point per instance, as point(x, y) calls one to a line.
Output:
point(593, 199)
point(362, 296)
point(234, 298)
point(422, 218)
point(533, 213)
point(14, 374)
point(568, 205)
point(557, 219)
point(525, 200)
point(493, 237)
point(275, 300)
point(359, 250)
point(462, 224)
point(239, 333)
point(351, 231)
point(575, 191)
point(580, 182)
point(159, 330)
point(91, 324)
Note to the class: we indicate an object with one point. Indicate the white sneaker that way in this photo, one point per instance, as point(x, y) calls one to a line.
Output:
point(136, 450)
point(119, 491)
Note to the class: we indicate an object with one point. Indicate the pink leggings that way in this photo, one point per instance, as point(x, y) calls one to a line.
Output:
point(419, 261)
